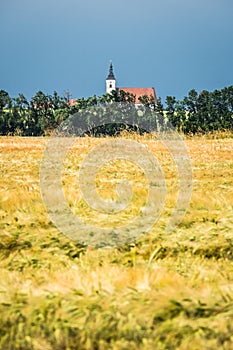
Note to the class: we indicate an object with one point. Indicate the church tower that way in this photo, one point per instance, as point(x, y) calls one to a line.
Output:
point(110, 80)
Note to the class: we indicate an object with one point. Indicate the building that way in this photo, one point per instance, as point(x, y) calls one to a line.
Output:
point(137, 92)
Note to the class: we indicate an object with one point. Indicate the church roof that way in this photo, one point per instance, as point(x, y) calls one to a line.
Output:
point(111, 74)
point(138, 92)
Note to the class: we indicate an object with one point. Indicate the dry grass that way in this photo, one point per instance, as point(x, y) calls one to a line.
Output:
point(167, 290)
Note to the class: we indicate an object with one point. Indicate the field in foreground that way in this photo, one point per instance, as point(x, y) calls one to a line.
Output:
point(166, 290)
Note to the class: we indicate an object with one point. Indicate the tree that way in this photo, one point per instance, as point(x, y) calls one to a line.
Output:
point(203, 113)
point(5, 99)
point(126, 97)
point(41, 114)
point(190, 103)
point(57, 101)
point(227, 97)
point(171, 110)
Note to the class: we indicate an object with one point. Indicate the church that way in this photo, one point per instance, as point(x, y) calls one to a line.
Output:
point(137, 92)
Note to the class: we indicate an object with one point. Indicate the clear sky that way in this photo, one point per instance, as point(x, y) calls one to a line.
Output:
point(172, 45)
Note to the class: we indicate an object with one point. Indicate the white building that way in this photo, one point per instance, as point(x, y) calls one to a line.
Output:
point(137, 92)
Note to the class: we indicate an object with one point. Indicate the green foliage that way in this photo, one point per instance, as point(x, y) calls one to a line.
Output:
point(202, 112)
point(111, 119)
point(5, 99)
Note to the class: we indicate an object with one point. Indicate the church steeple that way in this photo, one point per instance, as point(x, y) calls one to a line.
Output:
point(110, 80)
point(111, 74)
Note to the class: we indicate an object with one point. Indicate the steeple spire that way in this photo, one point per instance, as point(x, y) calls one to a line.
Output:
point(111, 74)
point(110, 80)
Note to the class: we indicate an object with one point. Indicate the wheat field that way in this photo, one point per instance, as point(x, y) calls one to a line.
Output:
point(163, 291)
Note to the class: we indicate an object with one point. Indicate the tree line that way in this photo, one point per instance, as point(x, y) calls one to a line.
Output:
point(42, 114)
point(202, 112)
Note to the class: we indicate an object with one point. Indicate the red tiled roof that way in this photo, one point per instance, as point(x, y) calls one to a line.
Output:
point(140, 92)
point(72, 102)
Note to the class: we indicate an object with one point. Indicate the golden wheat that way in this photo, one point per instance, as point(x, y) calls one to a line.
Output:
point(166, 290)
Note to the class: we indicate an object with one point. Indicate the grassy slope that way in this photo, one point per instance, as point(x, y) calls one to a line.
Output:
point(165, 291)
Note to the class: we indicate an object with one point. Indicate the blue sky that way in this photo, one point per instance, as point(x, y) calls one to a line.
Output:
point(172, 45)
